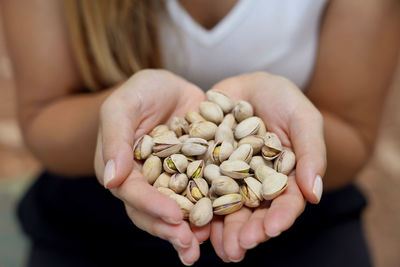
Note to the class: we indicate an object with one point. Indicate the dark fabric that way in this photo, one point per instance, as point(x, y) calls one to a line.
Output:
point(76, 222)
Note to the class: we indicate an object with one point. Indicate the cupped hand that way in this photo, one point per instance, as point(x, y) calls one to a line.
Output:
point(289, 114)
point(148, 98)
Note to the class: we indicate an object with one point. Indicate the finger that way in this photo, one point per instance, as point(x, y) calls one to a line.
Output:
point(142, 196)
point(284, 210)
point(253, 233)
point(201, 233)
point(233, 223)
point(216, 237)
point(190, 255)
point(308, 143)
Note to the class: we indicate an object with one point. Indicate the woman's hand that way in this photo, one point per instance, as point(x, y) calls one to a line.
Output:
point(289, 114)
point(147, 99)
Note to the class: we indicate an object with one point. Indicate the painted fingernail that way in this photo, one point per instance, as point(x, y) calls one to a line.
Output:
point(170, 220)
point(318, 187)
point(109, 172)
point(178, 243)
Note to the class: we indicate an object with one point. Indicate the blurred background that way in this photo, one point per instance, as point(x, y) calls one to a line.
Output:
point(380, 180)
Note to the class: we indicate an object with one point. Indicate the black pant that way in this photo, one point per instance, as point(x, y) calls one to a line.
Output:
point(78, 223)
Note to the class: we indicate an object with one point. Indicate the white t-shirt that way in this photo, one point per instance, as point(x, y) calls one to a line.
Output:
point(277, 36)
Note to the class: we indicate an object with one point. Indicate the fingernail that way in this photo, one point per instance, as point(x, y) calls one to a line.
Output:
point(181, 258)
point(249, 246)
point(178, 243)
point(273, 234)
point(170, 220)
point(109, 172)
point(239, 260)
point(317, 188)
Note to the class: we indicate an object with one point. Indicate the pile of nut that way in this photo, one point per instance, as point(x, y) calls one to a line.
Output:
point(216, 160)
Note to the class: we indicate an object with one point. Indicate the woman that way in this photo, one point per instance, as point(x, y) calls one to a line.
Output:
point(77, 70)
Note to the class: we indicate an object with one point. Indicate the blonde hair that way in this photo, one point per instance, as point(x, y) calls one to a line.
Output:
point(112, 39)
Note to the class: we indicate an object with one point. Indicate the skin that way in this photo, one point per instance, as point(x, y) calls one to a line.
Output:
point(347, 88)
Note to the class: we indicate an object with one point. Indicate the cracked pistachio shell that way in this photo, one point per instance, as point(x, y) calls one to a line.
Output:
point(211, 172)
point(224, 133)
point(236, 169)
point(202, 212)
point(194, 147)
point(285, 162)
point(152, 168)
point(175, 163)
point(272, 146)
point(203, 129)
point(211, 112)
point(185, 204)
point(229, 120)
point(179, 125)
point(211, 194)
point(255, 186)
point(262, 131)
point(193, 116)
point(227, 204)
point(143, 147)
point(196, 189)
point(273, 185)
point(224, 185)
point(259, 161)
point(221, 151)
point(247, 127)
point(222, 100)
point(243, 110)
point(166, 145)
point(158, 130)
point(256, 142)
point(243, 152)
point(206, 156)
point(195, 169)
point(183, 138)
point(251, 191)
point(178, 182)
point(165, 191)
point(162, 180)
point(263, 171)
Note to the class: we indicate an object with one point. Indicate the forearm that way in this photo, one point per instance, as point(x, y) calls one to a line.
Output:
point(62, 134)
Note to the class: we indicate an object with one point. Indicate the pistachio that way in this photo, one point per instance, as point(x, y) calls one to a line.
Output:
point(193, 116)
point(251, 191)
point(247, 127)
point(224, 185)
point(159, 129)
point(256, 142)
point(143, 147)
point(243, 110)
point(196, 189)
point(222, 100)
point(166, 145)
point(211, 172)
point(185, 204)
point(152, 168)
point(224, 133)
point(221, 151)
point(229, 120)
point(272, 146)
point(263, 171)
point(203, 129)
point(243, 152)
point(162, 180)
point(212, 195)
point(262, 131)
point(236, 169)
point(179, 125)
point(227, 204)
point(211, 112)
point(202, 212)
point(175, 163)
point(183, 138)
point(259, 161)
point(273, 185)
point(285, 162)
point(194, 147)
point(178, 182)
point(165, 191)
point(206, 156)
point(195, 169)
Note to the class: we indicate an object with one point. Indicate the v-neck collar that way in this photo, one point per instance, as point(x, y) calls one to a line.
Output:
point(207, 37)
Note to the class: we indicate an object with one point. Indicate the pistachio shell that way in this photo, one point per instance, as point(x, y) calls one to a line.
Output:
point(262, 131)
point(185, 204)
point(263, 171)
point(273, 185)
point(178, 182)
point(183, 138)
point(202, 212)
point(211, 172)
point(285, 162)
point(243, 152)
point(224, 133)
point(196, 189)
point(206, 156)
point(194, 147)
point(152, 168)
point(236, 169)
point(195, 169)
point(166, 145)
point(179, 125)
point(229, 120)
point(166, 191)
point(222, 100)
point(243, 110)
point(143, 147)
point(247, 127)
point(211, 112)
point(162, 180)
point(259, 161)
point(255, 186)
point(272, 146)
point(211, 194)
point(203, 129)
point(256, 142)
point(227, 204)
point(193, 116)
point(175, 163)
point(224, 185)
point(249, 198)
point(159, 129)
point(221, 151)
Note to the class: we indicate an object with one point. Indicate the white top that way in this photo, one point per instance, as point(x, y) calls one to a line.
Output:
point(277, 36)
